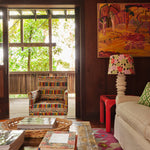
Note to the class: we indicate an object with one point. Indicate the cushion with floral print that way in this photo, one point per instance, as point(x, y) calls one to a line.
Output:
point(145, 97)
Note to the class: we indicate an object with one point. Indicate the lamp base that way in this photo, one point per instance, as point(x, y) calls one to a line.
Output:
point(121, 84)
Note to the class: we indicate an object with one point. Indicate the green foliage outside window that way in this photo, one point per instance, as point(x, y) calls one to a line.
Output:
point(36, 31)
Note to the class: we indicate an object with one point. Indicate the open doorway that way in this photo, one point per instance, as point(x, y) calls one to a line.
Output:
point(41, 43)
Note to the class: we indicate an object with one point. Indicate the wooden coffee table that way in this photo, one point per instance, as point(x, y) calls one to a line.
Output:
point(85, 139)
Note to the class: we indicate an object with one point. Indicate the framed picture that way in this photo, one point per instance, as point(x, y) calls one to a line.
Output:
point(123, 28)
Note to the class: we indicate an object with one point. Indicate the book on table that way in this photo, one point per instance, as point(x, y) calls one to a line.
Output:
point(59, 140)
point(11, 140)
point(37, 123)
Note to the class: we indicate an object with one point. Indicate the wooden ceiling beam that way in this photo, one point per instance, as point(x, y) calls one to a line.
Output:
point(39, 16)
point(19, 11)
point(34, 13)
point(49, 13)
point(31, 44)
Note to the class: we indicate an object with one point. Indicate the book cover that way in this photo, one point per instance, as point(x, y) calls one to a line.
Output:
point(36, 123)
point(11, 139)
point(58, 140)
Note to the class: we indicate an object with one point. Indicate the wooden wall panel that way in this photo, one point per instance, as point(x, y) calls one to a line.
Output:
point(97, 81)
point(22, 83)
point(39, 3)
point(1, 83)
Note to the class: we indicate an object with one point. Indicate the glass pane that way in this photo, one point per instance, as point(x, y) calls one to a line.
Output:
point(35, 31)
point(41, 12)
point(58, 12)
point(27, 12)
point(63, 34)
point(70, 12)
point(18, 59)
point(39, 58)
point(1, 39)
point(13, 12)
point(14, 31)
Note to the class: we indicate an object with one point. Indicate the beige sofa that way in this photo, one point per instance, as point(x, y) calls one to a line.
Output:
point(132, 123)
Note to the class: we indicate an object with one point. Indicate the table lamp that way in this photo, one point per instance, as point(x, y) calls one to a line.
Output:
point(121, 64)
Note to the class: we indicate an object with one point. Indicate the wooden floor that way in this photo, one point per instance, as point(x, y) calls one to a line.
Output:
point(20, 108)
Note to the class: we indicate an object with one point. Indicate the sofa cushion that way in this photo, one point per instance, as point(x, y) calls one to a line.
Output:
point(34, 96)
point(52, 87)
point(48, 105)
point(47, 111)
point(145, 97)
point(136, 115)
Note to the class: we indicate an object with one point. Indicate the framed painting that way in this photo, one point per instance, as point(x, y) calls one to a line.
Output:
point(123, 28)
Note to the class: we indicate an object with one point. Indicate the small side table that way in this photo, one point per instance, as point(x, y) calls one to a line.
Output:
point(109, 101)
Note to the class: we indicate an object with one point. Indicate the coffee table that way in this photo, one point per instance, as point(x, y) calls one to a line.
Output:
point(85, 141)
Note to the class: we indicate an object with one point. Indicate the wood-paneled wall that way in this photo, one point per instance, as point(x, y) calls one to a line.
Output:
point(1, 82)
point(96, 79)
point(24, 82)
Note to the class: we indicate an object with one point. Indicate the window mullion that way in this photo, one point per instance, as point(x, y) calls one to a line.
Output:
point(50, 41)
point(22, 35)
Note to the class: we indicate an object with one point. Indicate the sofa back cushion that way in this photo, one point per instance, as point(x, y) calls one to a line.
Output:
point(145, 97)
point(52, 88)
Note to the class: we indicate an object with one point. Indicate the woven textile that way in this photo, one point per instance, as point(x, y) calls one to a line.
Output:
point(105, 140)
point(48, 111)
point(53, 97)
point(48, 105)
point(49, 86)
point(145, 97)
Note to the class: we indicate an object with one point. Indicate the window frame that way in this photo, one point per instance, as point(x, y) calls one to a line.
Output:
point(35, 16)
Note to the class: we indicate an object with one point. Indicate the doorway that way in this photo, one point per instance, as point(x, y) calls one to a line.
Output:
point(41, 43)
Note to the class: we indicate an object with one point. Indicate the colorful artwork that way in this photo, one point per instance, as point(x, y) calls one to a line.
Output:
point(123, 28)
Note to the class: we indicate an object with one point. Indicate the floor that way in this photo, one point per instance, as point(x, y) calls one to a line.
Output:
point(20, 107)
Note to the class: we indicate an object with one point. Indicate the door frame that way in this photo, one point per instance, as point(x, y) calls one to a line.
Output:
point(4, 99)
point(79, 20)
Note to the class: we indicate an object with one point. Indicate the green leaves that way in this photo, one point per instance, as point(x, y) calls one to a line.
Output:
point(37, 31)
point(39, 59)
point(17, 59)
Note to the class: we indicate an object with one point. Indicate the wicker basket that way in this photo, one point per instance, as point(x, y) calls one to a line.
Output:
point(61, 125)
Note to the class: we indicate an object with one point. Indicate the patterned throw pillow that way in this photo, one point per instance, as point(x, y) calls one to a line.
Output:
point(145, 97)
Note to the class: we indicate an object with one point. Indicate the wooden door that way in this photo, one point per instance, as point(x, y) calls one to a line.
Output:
point(4, 98)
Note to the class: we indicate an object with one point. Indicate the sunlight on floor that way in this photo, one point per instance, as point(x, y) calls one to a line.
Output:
point(20, 107)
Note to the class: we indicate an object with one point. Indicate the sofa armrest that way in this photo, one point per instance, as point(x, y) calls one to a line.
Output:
point(66, 98)
point(126, 98)
point(34, 96)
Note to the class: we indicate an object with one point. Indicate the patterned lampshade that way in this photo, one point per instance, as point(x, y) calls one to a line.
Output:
point(121, 64)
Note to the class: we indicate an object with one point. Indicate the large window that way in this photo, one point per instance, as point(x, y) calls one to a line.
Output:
point(41, 40)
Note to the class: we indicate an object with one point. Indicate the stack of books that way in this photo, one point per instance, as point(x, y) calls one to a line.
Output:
point(59, 140)
point(37, 123)
point(11, 140)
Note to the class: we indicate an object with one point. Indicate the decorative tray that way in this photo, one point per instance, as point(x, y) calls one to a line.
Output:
point(61, 125)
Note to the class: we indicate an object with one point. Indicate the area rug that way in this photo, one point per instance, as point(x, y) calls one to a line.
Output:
point(104, 140)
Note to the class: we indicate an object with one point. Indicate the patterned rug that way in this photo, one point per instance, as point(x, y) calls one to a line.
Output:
point(105, 141)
